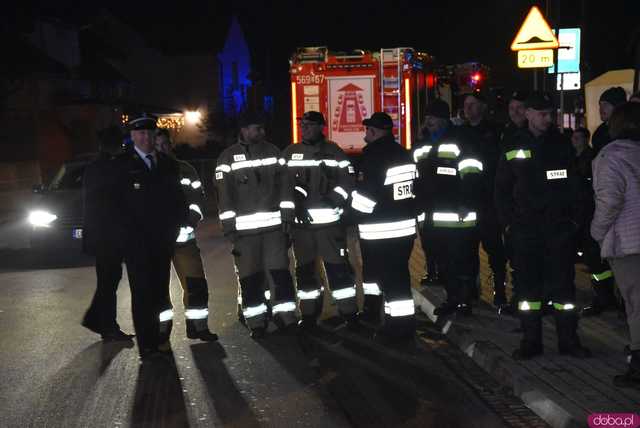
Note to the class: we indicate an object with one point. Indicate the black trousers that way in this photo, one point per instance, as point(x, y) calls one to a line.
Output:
point(457, 247)
point(102, 313)
point(490, 236)
point(431, 254)
point(148, 268)
point(544, 256)
point(387, 280)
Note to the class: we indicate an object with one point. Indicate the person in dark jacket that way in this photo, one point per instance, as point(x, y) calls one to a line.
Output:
point(186, 259)
point(537, 200)
point(384, 204)
point(321, 177)
point(610, 99)
point(602, 280)
point(253, 200)
point(484, 137)
point(448, 191)
point(517, 121)
point(147, 183)
point(99, 239)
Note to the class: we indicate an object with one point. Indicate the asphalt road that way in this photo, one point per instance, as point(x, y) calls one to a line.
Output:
point(54, 373)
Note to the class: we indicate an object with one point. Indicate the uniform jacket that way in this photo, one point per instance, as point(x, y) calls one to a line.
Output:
point(252, 189)
point(616, 222)
point(99, 205)
point(383, 197)
point(322, 173)
point(150, 205)
point(449, 184)
point(194, 195)
point(536, 183)
point(600, 137)
point(484, 138)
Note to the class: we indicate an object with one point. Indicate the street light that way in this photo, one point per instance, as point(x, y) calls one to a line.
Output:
point(193, 117)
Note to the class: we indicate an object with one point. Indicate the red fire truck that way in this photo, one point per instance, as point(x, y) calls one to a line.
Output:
point(349, 87)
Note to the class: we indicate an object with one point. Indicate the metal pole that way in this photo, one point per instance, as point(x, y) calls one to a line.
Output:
point(562, 103)
point(535, 79)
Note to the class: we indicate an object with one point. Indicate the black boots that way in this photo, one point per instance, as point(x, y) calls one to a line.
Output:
point(568, 340)
point(631, 379)
point(198, 329)
point(531, 343)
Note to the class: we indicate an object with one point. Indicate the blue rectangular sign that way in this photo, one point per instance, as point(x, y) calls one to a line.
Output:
point(568, 59)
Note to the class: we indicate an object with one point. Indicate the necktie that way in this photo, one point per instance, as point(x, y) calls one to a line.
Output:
point(152, 162)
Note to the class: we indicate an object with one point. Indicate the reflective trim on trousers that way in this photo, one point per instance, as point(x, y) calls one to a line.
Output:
point(226, 215)
point(196, 314)
point(287, 204)
point(309, 295)
point(564, 306)
point(166, 315)
point(524, 305)
point(399, 308)
point(371, 289)
point(254, 311)
point(344, 293)
point(284, 307)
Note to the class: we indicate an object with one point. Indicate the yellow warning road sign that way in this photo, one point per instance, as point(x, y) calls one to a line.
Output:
point(535, 58)
point(535, 33)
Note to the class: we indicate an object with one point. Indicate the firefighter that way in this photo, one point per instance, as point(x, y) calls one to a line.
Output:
point(602, 281)
point(517, 121)
point(252, 200)
point(537, 201)
point(448, 188)
point(146, 184)
point(484, 137)
point(434, 274)
point(186, 256)
point(321, 177)
point(384, 202)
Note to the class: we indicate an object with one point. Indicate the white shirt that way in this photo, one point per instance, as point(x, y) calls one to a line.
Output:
point(144, 155)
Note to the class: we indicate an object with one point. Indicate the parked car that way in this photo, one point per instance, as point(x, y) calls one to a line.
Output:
point(55, 215)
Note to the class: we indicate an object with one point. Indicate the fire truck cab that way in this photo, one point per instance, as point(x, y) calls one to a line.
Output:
point(348, 87)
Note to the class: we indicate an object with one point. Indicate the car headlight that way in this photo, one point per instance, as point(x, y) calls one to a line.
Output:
point(41, 218)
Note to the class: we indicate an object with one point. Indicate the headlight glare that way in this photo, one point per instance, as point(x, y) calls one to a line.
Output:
point(41, 218)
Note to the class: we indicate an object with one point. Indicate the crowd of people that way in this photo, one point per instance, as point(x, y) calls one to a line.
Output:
point(526, 191)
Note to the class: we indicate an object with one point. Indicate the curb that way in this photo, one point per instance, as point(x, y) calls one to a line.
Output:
point(547, 404)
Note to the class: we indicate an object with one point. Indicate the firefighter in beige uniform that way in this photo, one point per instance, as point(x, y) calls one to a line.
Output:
point(186, 257)
point(322, 179)
point(252, 200)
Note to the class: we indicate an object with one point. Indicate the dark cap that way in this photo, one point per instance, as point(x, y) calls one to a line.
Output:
point(313, 116)
point(539, 101)
point(251, 118)
point(379, 120)
point(140, 121)
point(438, 108)
point(477, 94)
point(519, 95)
point(614, 96)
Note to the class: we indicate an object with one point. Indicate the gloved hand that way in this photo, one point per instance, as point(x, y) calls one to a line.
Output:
point(302, 214)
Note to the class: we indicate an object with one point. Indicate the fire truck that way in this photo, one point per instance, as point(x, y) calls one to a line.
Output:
point(347, 87)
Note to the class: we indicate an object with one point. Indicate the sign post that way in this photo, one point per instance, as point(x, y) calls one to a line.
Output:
point(535, 43)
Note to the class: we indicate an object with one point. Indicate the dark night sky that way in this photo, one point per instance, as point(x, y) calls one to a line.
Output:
point(454, 32)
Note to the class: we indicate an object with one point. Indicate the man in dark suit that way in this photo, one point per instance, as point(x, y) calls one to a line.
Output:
point(99, 240)
point(149, 209)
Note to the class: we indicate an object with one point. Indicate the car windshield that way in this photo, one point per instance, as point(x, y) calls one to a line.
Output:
point(68, 177)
